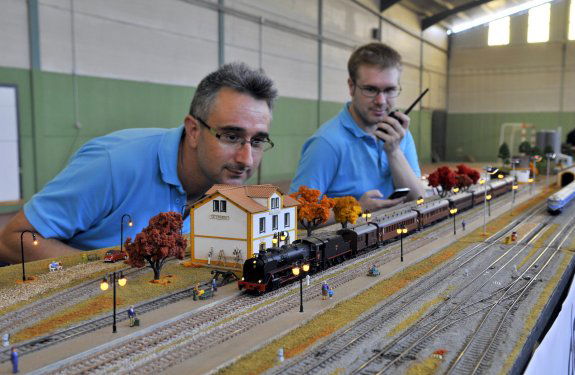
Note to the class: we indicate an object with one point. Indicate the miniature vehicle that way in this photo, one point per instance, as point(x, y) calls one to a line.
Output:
point(271, 268)
point(113, 256)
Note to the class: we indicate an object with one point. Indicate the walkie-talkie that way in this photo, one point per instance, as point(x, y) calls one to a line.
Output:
point(392, 114)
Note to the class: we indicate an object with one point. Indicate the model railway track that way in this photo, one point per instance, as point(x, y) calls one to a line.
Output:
point(89, 326)
point(182, 341)
point(339, 344)
point(13, 322)
point(413, 340)
point(480, 347)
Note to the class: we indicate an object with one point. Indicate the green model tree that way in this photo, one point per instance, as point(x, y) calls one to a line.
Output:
point(504, 153)
point(525, 148)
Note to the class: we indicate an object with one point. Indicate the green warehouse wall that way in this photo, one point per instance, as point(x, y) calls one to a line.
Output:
point(48, 135)
point(475, 136)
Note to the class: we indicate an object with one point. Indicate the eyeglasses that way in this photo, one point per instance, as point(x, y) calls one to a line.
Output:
point(234, 140)
point(372, 92)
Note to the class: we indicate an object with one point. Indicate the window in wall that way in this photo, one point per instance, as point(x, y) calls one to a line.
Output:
point(275, 203)
point(286, 220)
point(572, 21)
point(498, 32)
point(216, 205)
point(262, 224)
point(275, 222)
point(219, 206)
point(538, 24)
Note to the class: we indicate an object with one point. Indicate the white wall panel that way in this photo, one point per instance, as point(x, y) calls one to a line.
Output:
point(10, 171)
point(404, 17)
point(436, 35)
point(301, 14)
point(434, 59)
point(409, 87)
point(291, 61)
point(569, 93)
point(14, 34)
point(334, 82)
point(345, 21)
point(178, 48)
point(241, 41)
point(405, 44)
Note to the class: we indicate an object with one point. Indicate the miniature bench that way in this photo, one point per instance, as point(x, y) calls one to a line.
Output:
point(54, 266)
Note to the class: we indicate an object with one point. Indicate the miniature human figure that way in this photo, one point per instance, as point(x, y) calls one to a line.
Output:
point(373, 271)
point(330, 292)
point(146, 171)
point(132, 315)
point(307, 279)
point(214, 285)
point(6, 340)
point(324, 290)
point(366, 151)
point(196, 291)
point(14, 360)
point(280, 355)
point(463, 224)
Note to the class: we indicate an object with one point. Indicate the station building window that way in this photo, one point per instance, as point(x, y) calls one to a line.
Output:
point(498, 34)
point(538, 24)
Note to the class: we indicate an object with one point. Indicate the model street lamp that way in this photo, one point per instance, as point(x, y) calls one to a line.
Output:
point(488, 197)
point(35, 242)
point(130, 224)
point(453, 211)
point(401, 232)
point(366, 215)
point(550, 156)
point(297, 271)
point(104, 286)
point(419, 201)
point(530, 180)
point(514, 188)
point(491, 171)
point(455, 190)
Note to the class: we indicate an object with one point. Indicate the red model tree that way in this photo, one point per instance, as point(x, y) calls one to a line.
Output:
point(473, 174)
point(312, 211)
point(464, 181)
point(444, 177)
point(157, 242)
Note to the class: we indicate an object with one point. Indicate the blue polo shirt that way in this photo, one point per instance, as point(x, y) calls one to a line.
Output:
point(131, 171)
point(340, 159)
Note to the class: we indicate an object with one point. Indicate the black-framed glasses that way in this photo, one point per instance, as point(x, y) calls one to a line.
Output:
point(232, 139)
point(372, 91)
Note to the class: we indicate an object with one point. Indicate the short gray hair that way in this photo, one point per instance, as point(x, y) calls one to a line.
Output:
point(236, 76)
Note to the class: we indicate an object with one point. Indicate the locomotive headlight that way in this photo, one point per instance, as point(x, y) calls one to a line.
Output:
point(259, 281)
point(305, 267)
point(254, 261)
point(242, 279)
point(295, 271)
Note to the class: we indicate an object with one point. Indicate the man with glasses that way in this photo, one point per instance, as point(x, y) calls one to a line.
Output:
point(142, 172)
point(366, 151)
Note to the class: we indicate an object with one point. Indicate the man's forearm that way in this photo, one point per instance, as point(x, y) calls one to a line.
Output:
point(10, 246)
point(403, 175)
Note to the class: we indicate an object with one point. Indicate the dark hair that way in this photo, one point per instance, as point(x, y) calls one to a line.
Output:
point(377, 54)
point(236, 76)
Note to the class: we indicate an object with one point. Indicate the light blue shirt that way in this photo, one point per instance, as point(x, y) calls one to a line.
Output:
point(340, 159)
point(131, 171)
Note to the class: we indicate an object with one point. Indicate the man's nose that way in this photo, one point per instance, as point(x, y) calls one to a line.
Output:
point(244, 155)
point(380, 98)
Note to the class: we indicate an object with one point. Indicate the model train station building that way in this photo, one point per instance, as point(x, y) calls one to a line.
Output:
point(233, 223)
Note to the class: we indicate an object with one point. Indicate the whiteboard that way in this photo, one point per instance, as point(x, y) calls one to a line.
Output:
point(9, 160)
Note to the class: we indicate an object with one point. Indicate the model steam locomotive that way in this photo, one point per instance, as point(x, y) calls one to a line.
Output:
point(272, 268)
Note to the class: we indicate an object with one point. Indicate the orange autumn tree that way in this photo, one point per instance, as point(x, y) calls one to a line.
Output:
point(346, 210)
point(157, 242)
point(312, 211)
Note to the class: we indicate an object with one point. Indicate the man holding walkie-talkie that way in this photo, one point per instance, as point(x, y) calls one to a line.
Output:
point(366, 151)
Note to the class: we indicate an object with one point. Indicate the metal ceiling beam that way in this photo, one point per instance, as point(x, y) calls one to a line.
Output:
point(430, 21)
point(384, 4)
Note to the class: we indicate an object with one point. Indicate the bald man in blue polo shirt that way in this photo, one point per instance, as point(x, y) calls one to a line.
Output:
point(364, 151)
point(142, 172)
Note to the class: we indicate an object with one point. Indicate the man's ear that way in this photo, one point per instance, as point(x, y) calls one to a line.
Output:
point(350, 85)
point(192, 127)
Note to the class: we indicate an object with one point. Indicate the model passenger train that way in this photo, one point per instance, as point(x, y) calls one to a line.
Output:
point(272, 268)
point(557, 202)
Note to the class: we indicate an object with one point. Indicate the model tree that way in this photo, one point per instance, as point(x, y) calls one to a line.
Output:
point(312, 210)
point(157, 242)
point(473, 174)
point(504, 153)
point(346, 210)
point(525, 148)
point(463, 181)
point(444, 177)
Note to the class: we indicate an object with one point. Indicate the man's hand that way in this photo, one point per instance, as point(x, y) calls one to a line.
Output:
point(373, 200)
point(392, 130)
